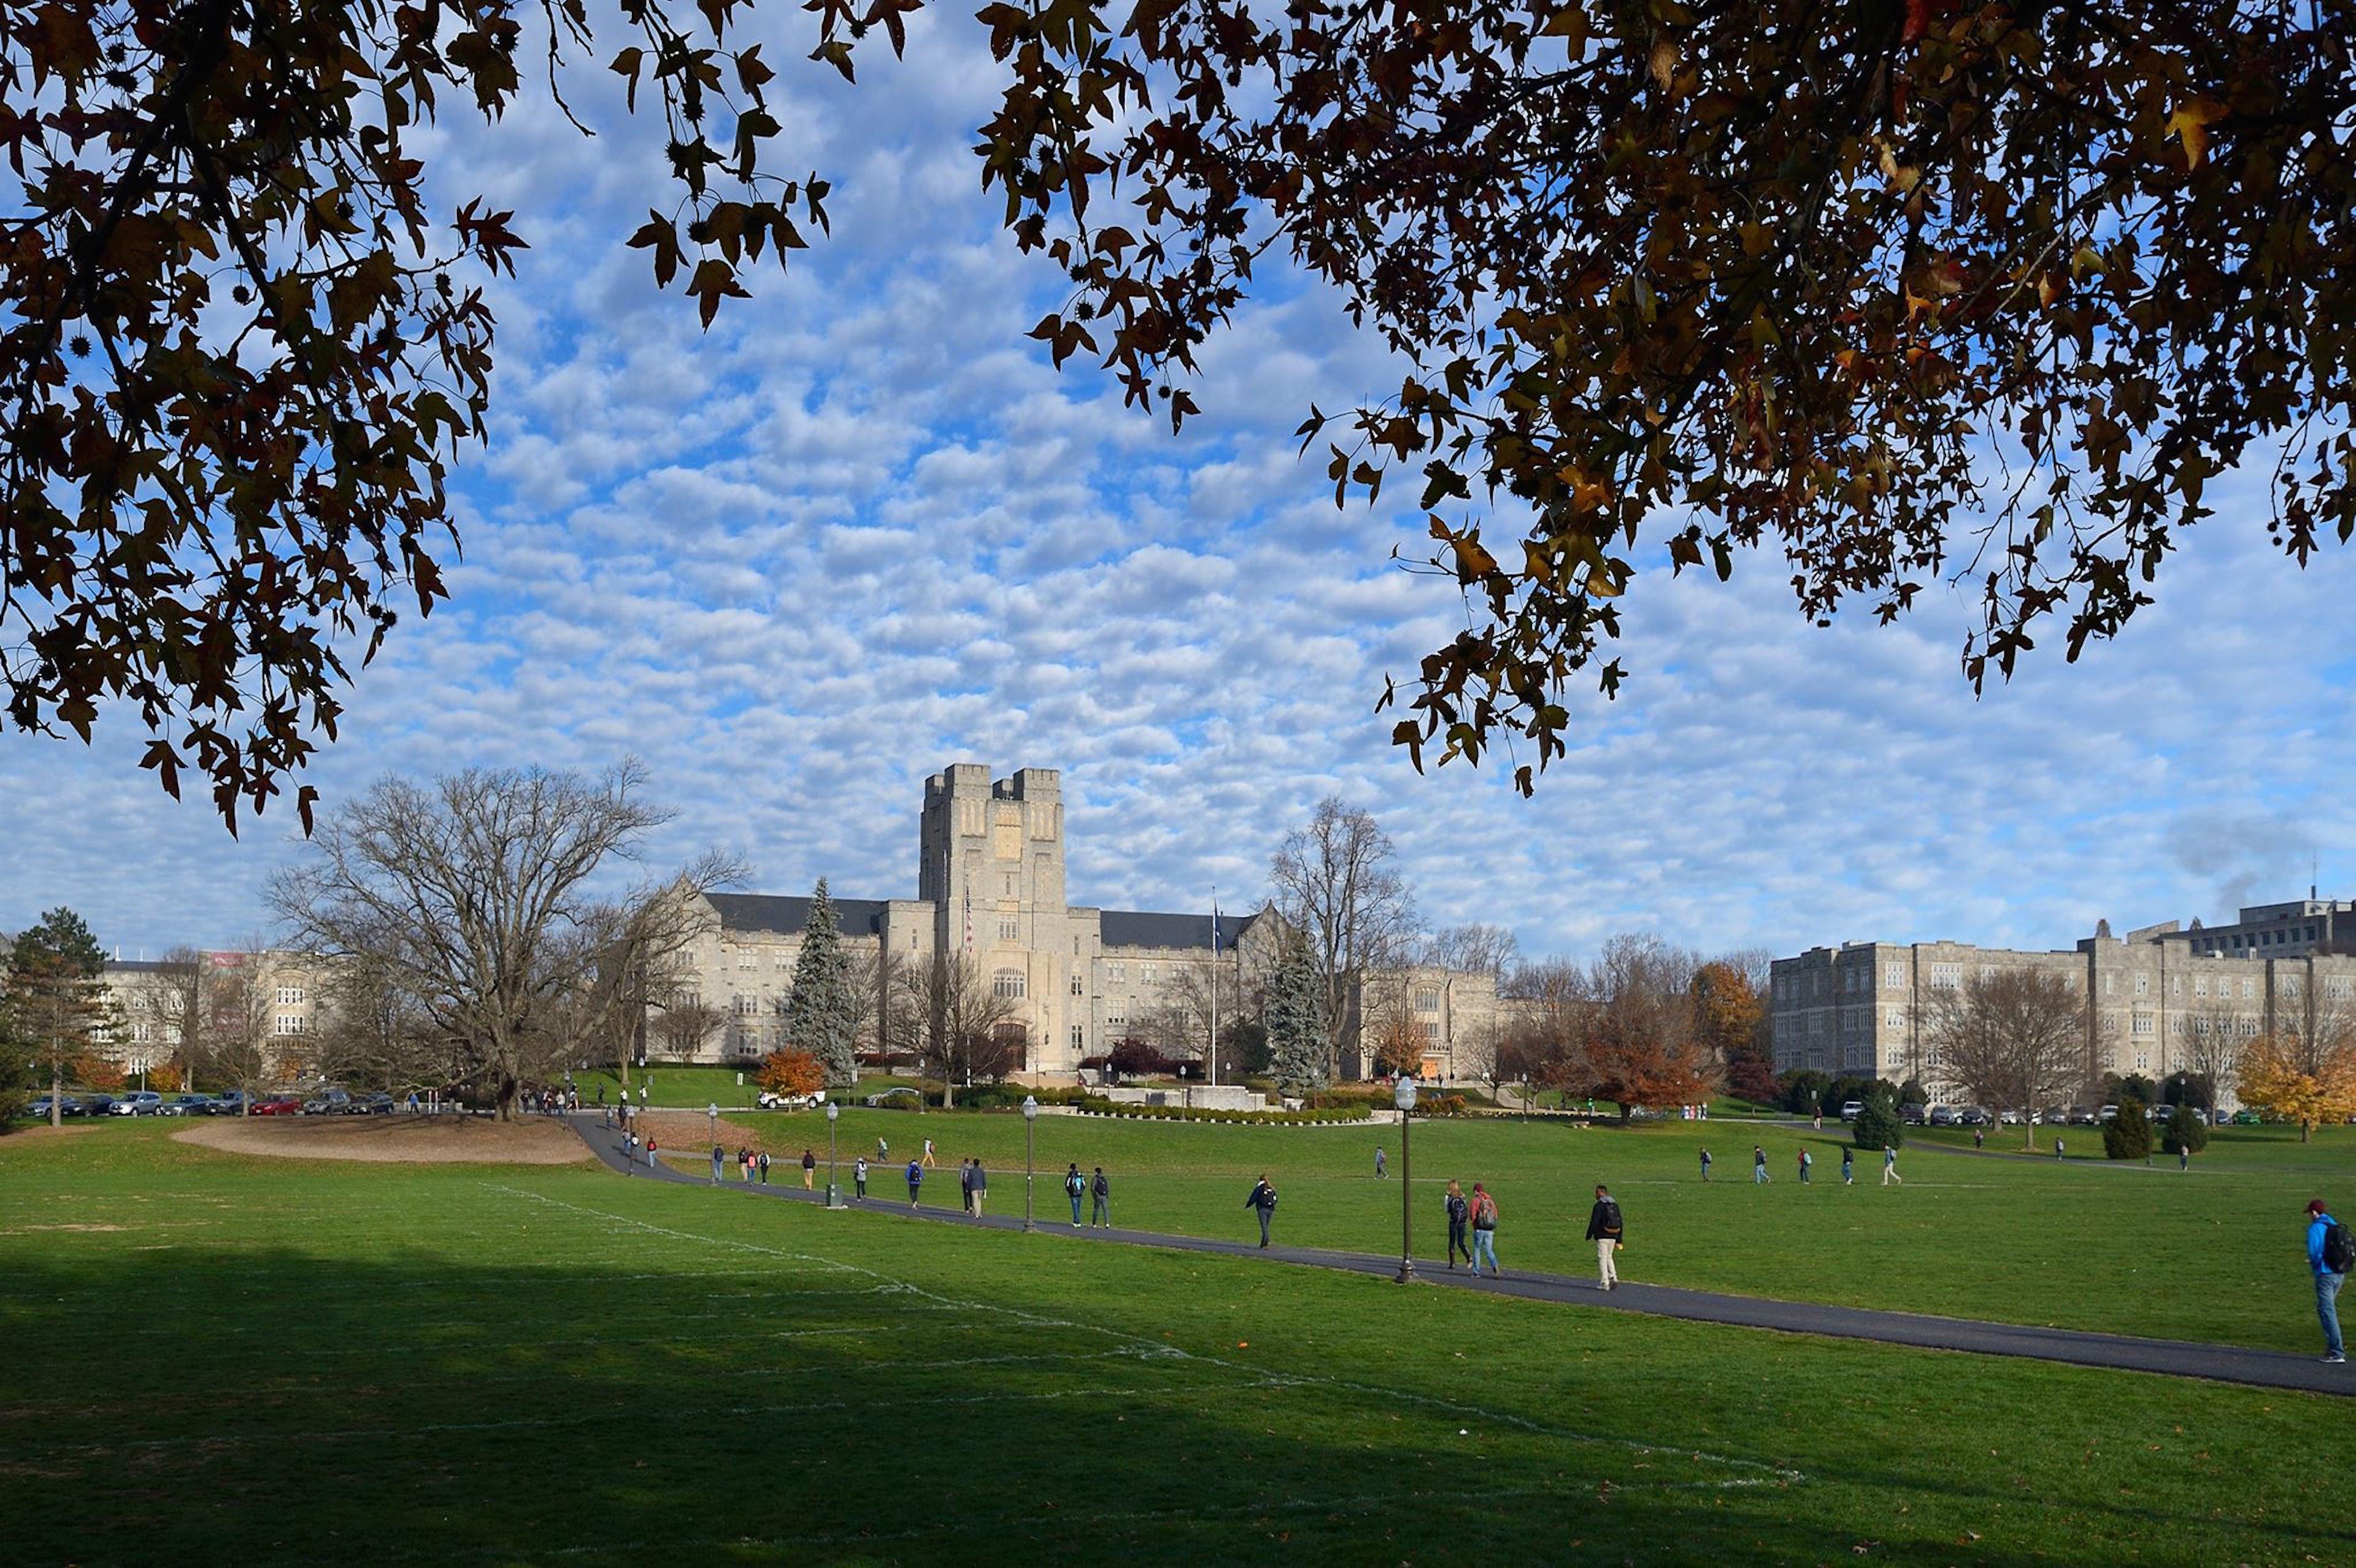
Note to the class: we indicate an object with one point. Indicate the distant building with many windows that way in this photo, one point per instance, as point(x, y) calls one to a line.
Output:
point(2154, 996)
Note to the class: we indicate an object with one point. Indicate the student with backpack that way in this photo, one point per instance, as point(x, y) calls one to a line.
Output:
point(1263, 1201)
point(1484, 1232)
point(1605, 1229)
point(1101, 1191)
point(2331, 1254)
point(1075, 1187)
point(1849, 1167)
point(859, 1177)
point(915, 1180)
point(1807, 1165)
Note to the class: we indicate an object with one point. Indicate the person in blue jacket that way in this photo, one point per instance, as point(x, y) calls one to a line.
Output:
point(915, 1180)
point(2327, 1279)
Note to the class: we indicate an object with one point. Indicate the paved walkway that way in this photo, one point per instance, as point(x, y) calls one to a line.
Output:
point(2173, 1358)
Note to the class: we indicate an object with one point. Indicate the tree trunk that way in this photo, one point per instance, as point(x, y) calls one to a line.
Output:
point(56, 1093)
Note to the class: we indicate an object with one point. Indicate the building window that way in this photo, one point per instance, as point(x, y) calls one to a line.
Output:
point(1946, 976)
point(1117, 973)
point(1430, 1034)
point(2143, 1023)
point(1008, 983)
point(1427, 1001)
point(290, 996)
point(289, 1023)
point(1893, 975)
point(1895, 1018)
point(2143, 985)
point(2200, 984)
point(2249, 989)
point(2110, 985)
point(1008, 931)
point(1075, 984)
point(1079, 1039)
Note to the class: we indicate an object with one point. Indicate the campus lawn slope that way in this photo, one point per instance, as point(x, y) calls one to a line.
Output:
point(231, 1359)
point(2214, 1254)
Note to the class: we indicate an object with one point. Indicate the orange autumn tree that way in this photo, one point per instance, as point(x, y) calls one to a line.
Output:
point(1644, 1040)
point(792, 1072)
point(2310, 1082)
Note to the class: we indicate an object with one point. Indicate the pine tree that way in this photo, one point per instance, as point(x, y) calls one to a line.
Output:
point(1296, 1024)
point(55, 1002)
point(818, 1010)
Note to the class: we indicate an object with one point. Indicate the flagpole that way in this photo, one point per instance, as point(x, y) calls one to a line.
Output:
point(1215, 984)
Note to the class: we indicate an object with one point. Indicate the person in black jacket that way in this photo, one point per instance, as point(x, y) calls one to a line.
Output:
point(1460, 1215)
point(1605, 1228)
point(1263, 1198)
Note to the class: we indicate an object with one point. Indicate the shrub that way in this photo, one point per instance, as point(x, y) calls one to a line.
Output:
point(1803, 1091)
point(2127, 1135)
point(1878, 1126)
point(2186, 1132)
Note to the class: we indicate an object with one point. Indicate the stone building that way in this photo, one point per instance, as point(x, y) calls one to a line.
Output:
point(2161, 1000)
point(990, 885)
point(272, 995)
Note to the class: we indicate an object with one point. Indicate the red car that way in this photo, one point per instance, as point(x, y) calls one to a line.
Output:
point(278, 1106)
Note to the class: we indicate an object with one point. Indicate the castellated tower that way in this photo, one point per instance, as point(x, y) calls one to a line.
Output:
point(992, 865)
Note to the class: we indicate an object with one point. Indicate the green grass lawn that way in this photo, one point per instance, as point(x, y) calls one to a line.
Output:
point(241, 1360)
point(2215, 1255)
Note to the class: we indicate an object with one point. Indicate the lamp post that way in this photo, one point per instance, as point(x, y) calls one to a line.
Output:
point(1029, 1152)
point(713, 1111)
point(1403, 1096)
point(833, 1188)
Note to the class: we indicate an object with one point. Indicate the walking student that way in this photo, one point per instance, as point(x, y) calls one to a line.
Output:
point(915, 1180)
point(1849, 1167)
point(1807, 1165)
point(929, 1160)
point(1705, 1165)
point(629, 1154)
point(2331, 1253)
point(1605, 1229)
point(1460, 1216)
point(810, 1168)
point(650, 1155)
point(1263, 1200)
point(1484, 1232)
point(1382, 1162)
point(965, 1184)
point(1075, 1187)
point(719, 1160)
point(859, 1176)
point(1100, 1189)
point(980, 1184)
point(1890, 1166)
point(1758, 1166)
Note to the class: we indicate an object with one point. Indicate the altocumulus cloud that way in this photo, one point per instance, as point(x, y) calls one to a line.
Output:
point(861, 529)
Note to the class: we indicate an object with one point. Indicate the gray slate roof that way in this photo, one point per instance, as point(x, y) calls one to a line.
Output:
point(786, 916)
point(1142, 928)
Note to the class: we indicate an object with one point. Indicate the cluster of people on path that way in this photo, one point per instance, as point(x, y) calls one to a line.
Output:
point(1807, 1166)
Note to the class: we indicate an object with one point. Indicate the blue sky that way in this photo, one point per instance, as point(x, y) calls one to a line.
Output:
point(861, 530)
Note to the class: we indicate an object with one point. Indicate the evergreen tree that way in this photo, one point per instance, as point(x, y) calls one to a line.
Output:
point(1296, 1024)
point(2127, 1135)
point(819, 1016)
point(55, 1004)
point(1877, 1126)
point(2185, 1130)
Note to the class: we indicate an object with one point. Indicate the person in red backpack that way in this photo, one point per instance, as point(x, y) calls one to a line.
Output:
point(1484, 1232)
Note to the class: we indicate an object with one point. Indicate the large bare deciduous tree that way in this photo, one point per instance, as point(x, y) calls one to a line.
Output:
point(951, 1015)
point(1335, 884)
point(2014, 1039)
point(485, 898)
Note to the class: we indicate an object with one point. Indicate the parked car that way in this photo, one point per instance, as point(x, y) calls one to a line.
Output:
point(2079, 1116)
point(377, 1104)
point(187, 1106)
point(327, 1102)
point(92, 1105)
point(1940, 1116)
point(1913, 1116)
point(1971, 1116)
point(2010, 1118)
point(278, 1106)
point(2246, 1118)
point(771, 1100)
point(2107, 1114)
point(893, 1099)
point(40, 1108)
point(1852, 1109)
point(231, 1104)
point(137, 1103)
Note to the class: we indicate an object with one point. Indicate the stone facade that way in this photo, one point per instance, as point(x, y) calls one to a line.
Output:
point(278, 989)
point(990, 885)
point(1865, 1007)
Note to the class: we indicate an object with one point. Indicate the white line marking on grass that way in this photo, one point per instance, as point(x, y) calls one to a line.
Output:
point(1765, 1475)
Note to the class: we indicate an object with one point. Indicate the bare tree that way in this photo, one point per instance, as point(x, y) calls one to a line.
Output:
point(178, 998)
point(1459, 950)
point(866, 982)
point(1334, 885)
point(1544, 1039)
point(952, 1013)
point(232, 1045)
point(2215, 1035)
point(2013, 1038)
point(371, 1029)
point(474, 895)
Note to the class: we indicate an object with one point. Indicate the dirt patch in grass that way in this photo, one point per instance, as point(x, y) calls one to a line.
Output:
point(393, 1140)
point(43, 1130)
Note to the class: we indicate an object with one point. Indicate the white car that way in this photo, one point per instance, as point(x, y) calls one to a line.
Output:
point(770, 1100)
point(138, 1103)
